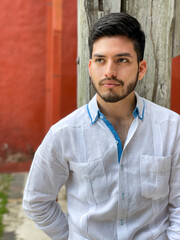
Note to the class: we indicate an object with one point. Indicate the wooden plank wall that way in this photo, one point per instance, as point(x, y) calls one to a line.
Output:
point(88, 14)
point(156, 18)
point(176, 36)
point(159, 19)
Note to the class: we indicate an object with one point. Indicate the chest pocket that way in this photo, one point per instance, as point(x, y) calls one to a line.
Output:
point(155, 174)
point(92, 177)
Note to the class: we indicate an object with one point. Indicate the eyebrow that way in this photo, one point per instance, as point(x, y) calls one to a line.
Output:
point(125, 54)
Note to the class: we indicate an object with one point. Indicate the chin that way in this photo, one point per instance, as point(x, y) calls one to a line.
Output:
point(112, 98)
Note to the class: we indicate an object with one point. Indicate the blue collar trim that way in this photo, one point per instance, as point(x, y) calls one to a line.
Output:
point(136, 112)
point(140, 107)
point(93, 110)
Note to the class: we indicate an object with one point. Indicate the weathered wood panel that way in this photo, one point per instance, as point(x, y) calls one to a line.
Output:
point(83, 56)
point(88, 14)
point(176, 36)
point(156, 18)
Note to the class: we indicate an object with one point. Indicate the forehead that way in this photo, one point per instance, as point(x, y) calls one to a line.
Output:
point(113, 45)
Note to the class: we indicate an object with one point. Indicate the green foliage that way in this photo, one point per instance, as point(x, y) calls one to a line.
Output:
point(5, 180)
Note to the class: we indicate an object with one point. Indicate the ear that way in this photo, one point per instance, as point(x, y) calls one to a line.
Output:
point(90, 62)
point(142, 69)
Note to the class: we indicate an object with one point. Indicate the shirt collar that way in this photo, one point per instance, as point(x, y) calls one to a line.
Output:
point(93, 110)
point(140, 107)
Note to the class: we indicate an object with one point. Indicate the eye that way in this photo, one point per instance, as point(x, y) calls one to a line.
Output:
point(122, 60)
point(99, 60)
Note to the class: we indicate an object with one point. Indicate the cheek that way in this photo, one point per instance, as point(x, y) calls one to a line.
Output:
point(128, 73)
point(96, 71)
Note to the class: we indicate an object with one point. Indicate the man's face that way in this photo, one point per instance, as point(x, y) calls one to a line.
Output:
point(114, 68)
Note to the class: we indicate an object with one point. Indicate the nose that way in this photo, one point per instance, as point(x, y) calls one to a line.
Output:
point(110, 70)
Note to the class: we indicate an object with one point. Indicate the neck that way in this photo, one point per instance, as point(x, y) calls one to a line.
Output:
point(122, 109)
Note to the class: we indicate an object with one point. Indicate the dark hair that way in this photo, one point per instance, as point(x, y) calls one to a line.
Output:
point(119, 24)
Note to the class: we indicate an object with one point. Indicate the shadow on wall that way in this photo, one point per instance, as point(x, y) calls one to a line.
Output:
point(7, 155)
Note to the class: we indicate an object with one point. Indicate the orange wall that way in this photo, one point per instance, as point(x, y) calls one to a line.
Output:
point(23, 71)
point(69, 55)
point(24, 56)
point(61, 77)
point(175, 85)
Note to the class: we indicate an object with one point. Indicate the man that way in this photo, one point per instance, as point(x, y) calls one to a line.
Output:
point(119, 156)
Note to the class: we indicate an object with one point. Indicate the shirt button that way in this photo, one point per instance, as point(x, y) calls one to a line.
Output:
point(116, 142)
point(122, 167)
point(101, 117)
point(122, 221)
point(123, 196)
point(77, 125)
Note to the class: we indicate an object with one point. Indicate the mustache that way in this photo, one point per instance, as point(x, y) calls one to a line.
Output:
point(114, 79)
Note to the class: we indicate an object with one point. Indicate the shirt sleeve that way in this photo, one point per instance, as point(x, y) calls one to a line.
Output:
point(173, 231)
point(47, 175)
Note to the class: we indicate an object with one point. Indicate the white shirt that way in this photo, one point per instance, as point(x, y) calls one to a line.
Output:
point(112, 194)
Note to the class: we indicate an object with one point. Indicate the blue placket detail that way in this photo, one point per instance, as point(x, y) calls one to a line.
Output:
point(116, 136)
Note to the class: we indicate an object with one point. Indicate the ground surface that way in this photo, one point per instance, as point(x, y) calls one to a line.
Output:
point(17, 225)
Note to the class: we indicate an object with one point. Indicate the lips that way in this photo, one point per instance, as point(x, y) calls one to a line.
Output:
point(110, 83)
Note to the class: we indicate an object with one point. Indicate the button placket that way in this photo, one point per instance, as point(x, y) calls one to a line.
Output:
point(122, 167)
point(122, 221)
point(123, 195)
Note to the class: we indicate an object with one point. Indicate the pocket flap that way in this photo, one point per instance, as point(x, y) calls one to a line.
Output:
point(155, 164)
point(93, 174)
point(79, 168)
point(155, 173)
